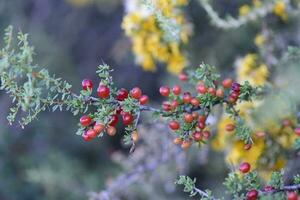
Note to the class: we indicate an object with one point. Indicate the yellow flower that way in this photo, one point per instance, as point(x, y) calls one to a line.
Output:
point(280, 10)
point(259, 40)
point(244, 10)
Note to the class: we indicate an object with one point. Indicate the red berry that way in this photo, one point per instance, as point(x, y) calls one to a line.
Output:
point(292, 196)
point(188, 118)
point(236, 87)
point(202, 118)
point(212, 91)
point(99, 127)
point(174, 104)
point(86, 137)
point(247, 146)
point(220, 93)
point(235, 95)
point(91, 133)
point(195, 102)
point(187, 97)
point(201, 125)
point(245, 167)
point(176, 90)
point(114, 120)
point(103, 91)
point(144, 99)
point(87, 84)
point(230, 127)
point(111, 131)
point(166, 106)
point(85, 120)
point(195, 115)
point(197, 136)
point(174, 125)
point(232, 100)
point(201, 89)
point(177, 141)
point(227, 83)
point(297, 131)
point(252, 195)
point(183, 77)
point(127, 119)
point(136, 93)
point(206, 134)
point(122, 94)
point(164, 91)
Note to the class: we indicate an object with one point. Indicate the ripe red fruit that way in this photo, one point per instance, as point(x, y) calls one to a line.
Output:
point(166, 106)
point(201, 89)
point(183, 77)
point(236, 87)
point(195, 115)
point(201, 125)
point(195, 102)
point(297, 131)
point(188, 118)
point(230, 127)
point(85, 120)
point(127, 119)
point(206, 134)
point(292, 196)
point(247, 146)
point(122, 94)
point(103, 91)
point(220, 93)
point(202, 118)
point(87, 84)
point(235, 95)
point(99, 127)
point(136, 93)
point(176, 90)
point(174, 125)
point(232, 100)
point(86, 137)
point(114, 120)
point(252, 195)
point(212, 91)
point(227, 83)
point(187, 97)
point(197, 136)
point(164, 91)
point(245, 167)
point(186, 144)
point(91, 133)
point(111, 131)
point(144, 99)
point(174, 104)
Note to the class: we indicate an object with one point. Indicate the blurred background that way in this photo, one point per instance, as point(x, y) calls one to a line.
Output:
point(47, 160)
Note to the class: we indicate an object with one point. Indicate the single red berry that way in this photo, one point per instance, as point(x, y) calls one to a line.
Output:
point(201, 125)
point(247, 146)
point(195, 102)
point(166, 106)
point(220, 93)
point(176, 90)
point(186, 144)
point(144, 99)
point(230, 127)
point(268, 188)
point(297, 131)
point(174, 125)
point(227, 83)
point(98, 127)
point(236, 87)
point(197, 136)
point(232, 100)
point(183, 77)
point(85, 120)
point(188, 118)
point(195, 115)
point(91, 133)
point(252, 195)
point(122, 94)
point(292, 196)
point(177, 141)
point(119, 110)
point(111, 131)
point(245, 167)
point(103, 91)
point(187, 97)
point(164, 91)
point(212, 91)
point(87, 84)
point(202, 118)
point(206, 134)
point(136, 93)
point(86, 137)
point(235, 95)
point(114, 120)
point(201, 89)
point(127, 119)
point(174, 104)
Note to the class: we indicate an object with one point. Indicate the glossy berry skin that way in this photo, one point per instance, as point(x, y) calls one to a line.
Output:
point(183, 77)
point(144, 99)
point(136, 93)
point(252, 195)
point(174, 104)
point(206, 135)
point(212, 91)
point(114, 120)
point(85, 120)
point(176, 90)
point(87, 84)
point(174, 125)
point(227, 83)
point(220, 93)
point(99, 127)
point(127, 119)
point(245, 167)
point(86, 137)
point(195, 115)
point(197, 136)
point(111, 131)
point(236, 87)
point(230, 127)
point(91, 133)
point(297, 131)
point(122, 94)
point(201, 89)
point(164, 91)
point(202, 118)
point(103, 91)
point(195, 102)
point(166, 106)
point(187, 97)
point(235, 95)
point(292, 196)
point(186, 144)
point(188, 118)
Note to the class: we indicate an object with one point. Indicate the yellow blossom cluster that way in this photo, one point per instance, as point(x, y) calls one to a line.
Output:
point(280, 10)
point(259, 40)
point(149, 44)
point(245, 9)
